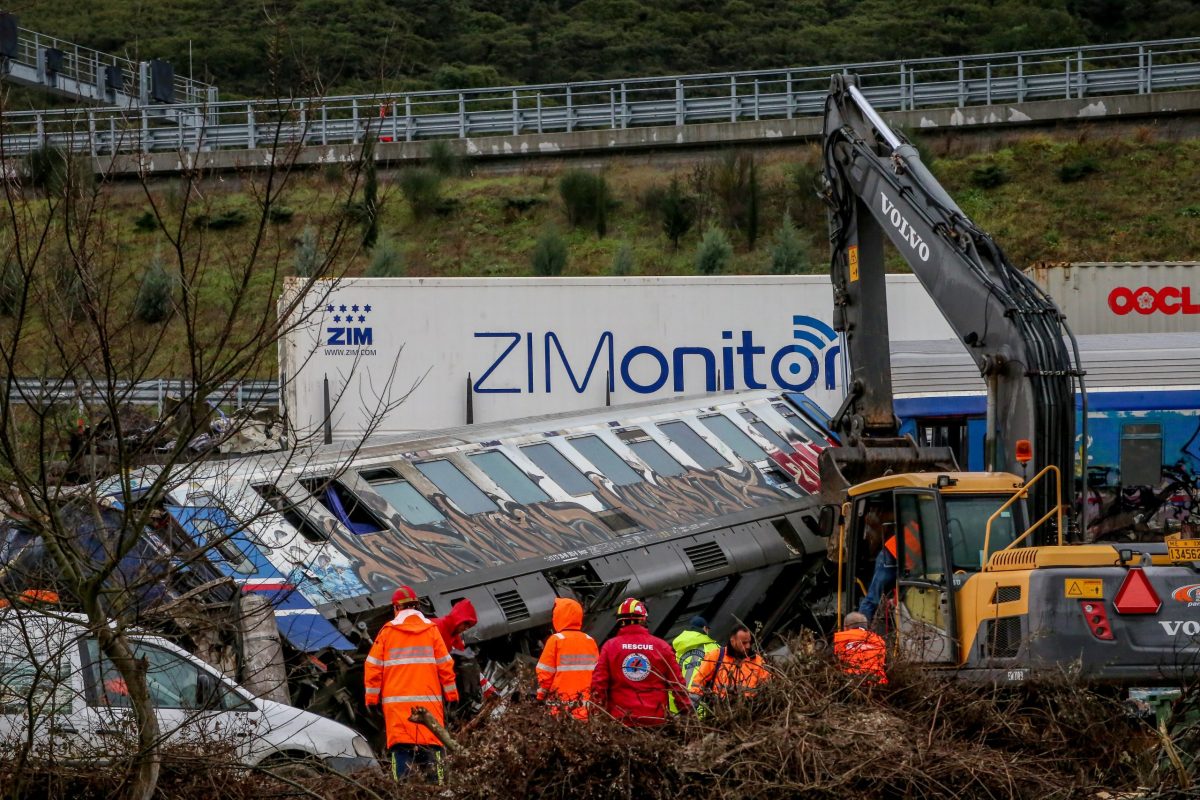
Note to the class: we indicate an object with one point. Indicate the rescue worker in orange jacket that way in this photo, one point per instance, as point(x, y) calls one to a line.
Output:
point(886, 567)
point(730, 671)
point(564, 671)
point(409, 666)
point(859, 650)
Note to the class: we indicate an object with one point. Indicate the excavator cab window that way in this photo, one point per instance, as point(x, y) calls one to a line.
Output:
point(924, 614)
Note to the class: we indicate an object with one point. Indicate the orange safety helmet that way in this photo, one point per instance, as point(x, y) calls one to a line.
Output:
point(631, 608)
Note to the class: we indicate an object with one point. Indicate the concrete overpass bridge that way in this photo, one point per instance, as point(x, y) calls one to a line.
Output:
point(1130, 80)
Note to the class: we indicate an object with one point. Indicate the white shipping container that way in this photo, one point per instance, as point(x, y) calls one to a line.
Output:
point(518, 347)
point(1133, 297)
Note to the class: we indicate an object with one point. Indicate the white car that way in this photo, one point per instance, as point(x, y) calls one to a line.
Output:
point(60, 697)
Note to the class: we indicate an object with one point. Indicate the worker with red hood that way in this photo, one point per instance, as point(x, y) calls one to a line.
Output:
point(473, 687)
point(564, 672)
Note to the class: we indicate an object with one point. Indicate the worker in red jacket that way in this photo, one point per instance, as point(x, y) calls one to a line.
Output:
point(637, 672)
point(473, 685)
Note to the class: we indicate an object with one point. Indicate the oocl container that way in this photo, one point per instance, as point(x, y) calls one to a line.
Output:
point(1129, 297)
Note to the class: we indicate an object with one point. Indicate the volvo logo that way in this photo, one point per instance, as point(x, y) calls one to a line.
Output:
point(904, 227)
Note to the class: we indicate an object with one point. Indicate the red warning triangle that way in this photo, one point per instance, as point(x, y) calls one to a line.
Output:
point(1136, 595)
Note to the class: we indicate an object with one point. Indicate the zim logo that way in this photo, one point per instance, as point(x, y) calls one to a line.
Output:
point(348, 334)
point(1188, 594)
point(636, 667)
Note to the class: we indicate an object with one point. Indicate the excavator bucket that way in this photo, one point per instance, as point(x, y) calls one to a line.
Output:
point(849, 465)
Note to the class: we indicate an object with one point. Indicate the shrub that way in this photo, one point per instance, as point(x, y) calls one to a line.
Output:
point(623, 263)
point(1190, 211)
point(735, 187)
point(370, 198)
point(155, 295)
point(230, 218)
point(146, 222)
point(677, 212)
point(333, 172)
point(278, 215)
point(520, 204)
point(1078, 169)
point(714, 253)
point(443, 159)
point(585, 194)
point(789, 255)
point(66, 284)
point(387, 260)
point(46, 168)
point(308, 257)
point(989, 176)
point(12, 281)
point(549, 254)
point(422, 188)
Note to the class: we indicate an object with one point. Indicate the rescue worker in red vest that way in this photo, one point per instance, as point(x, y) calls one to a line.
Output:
point(409, 666)
point(473, 686)
point(733, 670)
point(637, 671)
point(861, 651)
point(884, 578)
point(564, 671)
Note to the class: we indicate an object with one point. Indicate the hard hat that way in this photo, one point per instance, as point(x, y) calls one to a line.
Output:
point(404, 596)
point(631, 608)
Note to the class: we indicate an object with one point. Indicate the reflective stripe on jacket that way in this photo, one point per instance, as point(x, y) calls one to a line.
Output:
point(861, 652)
point(409, 666)
point(912, 545)
point(691, 646)
point(722, 673)
point(564, 671)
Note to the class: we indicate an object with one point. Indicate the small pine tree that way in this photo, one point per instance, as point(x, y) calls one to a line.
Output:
point(308, 258)
point(370, 198)
point(714, 253)
point(623, 263)
point(422, 188)
point(443, 159)
point(12, 282)
point(549, 254)
point(677, 211)
point(155, 295)
point(752, 202)
point(387, 260)
point(585, 194)
point(789, 256)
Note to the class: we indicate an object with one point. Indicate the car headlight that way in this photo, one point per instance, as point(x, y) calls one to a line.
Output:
point(362, 747)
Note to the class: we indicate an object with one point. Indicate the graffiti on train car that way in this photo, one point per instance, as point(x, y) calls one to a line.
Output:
point(464, 543)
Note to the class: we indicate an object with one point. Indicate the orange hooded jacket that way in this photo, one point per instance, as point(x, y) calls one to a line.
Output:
point(564, 672)
point(861, 652)
point(409, 666)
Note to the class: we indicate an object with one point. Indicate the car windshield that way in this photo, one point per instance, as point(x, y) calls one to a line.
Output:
point(966, 526)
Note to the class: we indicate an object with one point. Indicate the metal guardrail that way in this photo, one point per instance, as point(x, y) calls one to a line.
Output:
point(45, 391)
point(1066, 73)
point(69, 69)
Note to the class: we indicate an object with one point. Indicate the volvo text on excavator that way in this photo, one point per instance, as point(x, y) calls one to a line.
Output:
point(986, 581)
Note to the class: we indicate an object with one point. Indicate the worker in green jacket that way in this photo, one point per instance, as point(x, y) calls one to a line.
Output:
point(691, 646)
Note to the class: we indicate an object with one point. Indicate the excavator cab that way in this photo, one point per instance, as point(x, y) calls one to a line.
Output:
point(943, 527)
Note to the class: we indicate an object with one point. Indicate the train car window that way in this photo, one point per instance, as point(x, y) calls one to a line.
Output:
point(693, 444)
point(1141, 454)
point(799, 423)
point(410, 504)
point(656, 457)
point(458, 487)
point(343, 505)
point(508, 477)
point(278, 501)
point(558, 468)
point(729, 433)
point(766, 431)
point(609, 463)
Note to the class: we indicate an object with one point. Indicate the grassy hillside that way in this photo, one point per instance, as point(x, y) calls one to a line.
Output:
point(293, 45)
point(1042, 198)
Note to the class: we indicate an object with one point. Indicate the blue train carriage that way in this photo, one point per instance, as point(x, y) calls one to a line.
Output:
point(1143, 454)
point(682, 502)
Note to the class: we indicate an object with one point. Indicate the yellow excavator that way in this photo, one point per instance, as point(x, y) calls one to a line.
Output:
point(986, 578)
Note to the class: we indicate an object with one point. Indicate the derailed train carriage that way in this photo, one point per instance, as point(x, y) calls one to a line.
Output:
point(698, 506)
